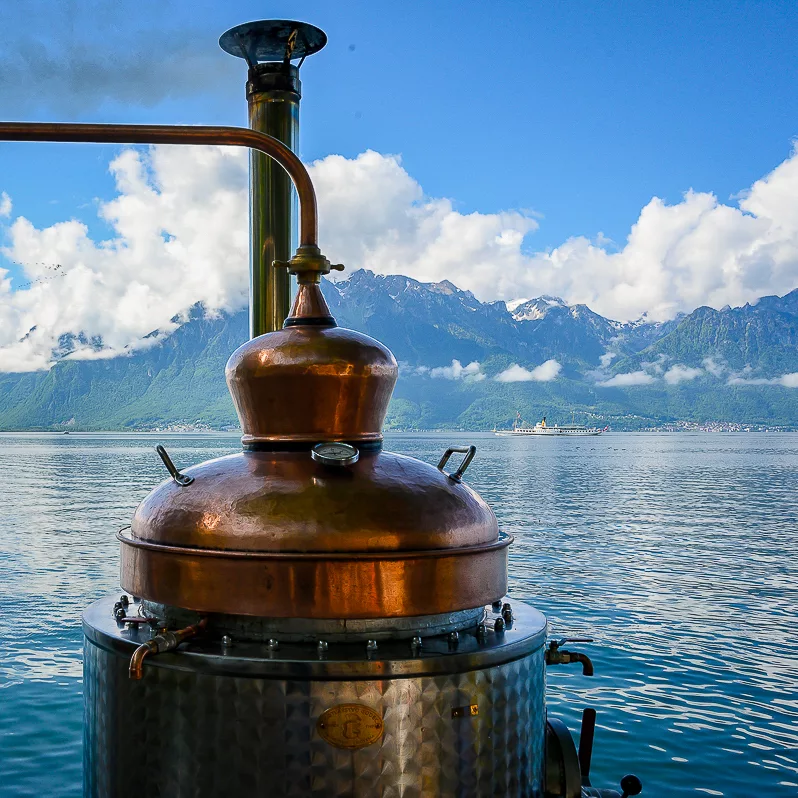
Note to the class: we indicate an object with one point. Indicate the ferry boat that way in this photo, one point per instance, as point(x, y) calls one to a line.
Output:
point(542, 428)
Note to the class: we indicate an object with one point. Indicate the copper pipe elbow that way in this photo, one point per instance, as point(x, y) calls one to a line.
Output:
point(136, 670)
point(587, 663)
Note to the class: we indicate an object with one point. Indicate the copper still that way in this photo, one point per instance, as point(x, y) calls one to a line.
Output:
point(313, 616)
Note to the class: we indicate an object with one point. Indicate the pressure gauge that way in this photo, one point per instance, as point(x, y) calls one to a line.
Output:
point(334, 454)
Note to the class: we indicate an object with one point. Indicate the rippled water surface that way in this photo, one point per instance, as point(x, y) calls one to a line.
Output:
point(678, 553)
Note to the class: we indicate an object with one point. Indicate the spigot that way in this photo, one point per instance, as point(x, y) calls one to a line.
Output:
point(162, 642)
point(560, 656)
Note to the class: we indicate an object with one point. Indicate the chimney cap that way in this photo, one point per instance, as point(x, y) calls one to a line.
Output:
point(273, 40)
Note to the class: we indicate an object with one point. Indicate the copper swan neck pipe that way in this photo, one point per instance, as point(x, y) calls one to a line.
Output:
point(182, 134)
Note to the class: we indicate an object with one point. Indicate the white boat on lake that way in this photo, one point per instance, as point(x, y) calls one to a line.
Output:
point(542, 428)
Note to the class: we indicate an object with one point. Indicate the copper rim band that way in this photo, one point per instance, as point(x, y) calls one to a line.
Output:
point(503, 542)
point(357, 585)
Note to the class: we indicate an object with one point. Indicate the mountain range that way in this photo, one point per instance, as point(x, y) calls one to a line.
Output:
point(463, 364)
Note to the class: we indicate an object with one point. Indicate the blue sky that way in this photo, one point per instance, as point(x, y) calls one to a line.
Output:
point(576, 114)
point(580, 111)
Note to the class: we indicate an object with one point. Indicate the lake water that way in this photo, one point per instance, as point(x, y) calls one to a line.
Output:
point(678, 553)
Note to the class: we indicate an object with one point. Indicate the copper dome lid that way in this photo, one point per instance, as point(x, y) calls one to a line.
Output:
point(287, 502)
point(277, 534)
point(274, 532)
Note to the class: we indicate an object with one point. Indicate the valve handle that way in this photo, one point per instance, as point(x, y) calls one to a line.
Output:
point(468, 451)
point(555, 644)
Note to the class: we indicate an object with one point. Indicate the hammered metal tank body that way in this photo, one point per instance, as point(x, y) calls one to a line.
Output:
point(210, 722)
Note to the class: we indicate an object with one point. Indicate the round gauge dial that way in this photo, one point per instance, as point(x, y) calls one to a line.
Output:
point(335, 454)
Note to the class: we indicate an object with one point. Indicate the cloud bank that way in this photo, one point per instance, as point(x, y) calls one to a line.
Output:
point(721, 370)
point(676, 257)
point(179, 236)
point(179, 225)
point(652, 372)
point(545, 372)
point(626, 380)
point(457, 371)
point(786, 380)
point(676, 374)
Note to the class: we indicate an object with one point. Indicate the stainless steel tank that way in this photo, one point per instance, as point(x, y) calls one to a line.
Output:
point(459, 712)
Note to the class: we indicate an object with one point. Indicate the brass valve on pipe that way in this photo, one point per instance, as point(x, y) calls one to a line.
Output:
point(308, 264)
point(162, 642)
point(555, 655)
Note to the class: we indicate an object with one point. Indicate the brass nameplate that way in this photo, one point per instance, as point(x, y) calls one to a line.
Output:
point(350, 726)
point(465, 712)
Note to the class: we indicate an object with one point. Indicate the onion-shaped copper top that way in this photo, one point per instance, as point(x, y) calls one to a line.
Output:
point(311, 381)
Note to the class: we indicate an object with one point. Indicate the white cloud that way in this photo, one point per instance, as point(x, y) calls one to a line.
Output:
point(652, 372)
point(655, 365)
point(607, 358)
point(374, 215)
point(751, 381)
point(179, 236)
point(5, 205)
point(625, 380)
point(545, 372)
point(676, 257)
point(457, 371)
point(713, 367)
point(786, 380)
point(676, 374)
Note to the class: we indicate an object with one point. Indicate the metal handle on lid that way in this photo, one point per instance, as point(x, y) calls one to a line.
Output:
point(181, 479)
point(468, 451)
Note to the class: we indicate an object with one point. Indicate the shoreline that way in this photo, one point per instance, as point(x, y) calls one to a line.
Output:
point(665, 429)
